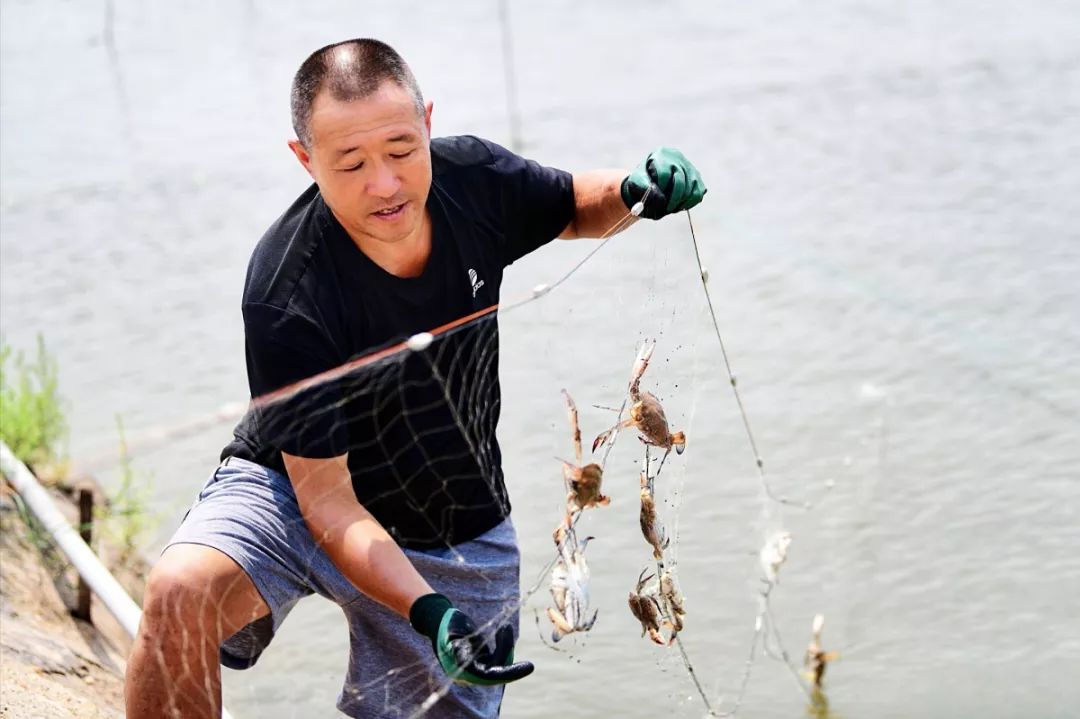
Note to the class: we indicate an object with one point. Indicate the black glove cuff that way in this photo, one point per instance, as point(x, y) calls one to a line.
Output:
point(624, 190)
point(427, 612)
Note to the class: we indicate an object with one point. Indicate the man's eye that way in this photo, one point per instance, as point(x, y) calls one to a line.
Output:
point(402, 155)
point(354, 168)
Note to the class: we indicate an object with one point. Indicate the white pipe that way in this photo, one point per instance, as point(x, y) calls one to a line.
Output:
point(90, 568)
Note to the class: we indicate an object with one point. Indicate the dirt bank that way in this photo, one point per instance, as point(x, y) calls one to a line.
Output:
point(52, 664)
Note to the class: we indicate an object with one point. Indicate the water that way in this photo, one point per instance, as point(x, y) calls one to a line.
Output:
point(890, 233)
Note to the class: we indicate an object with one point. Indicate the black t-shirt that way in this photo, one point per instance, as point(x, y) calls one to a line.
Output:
point(419, 426)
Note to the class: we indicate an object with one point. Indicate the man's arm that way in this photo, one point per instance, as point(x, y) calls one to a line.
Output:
point(370, 558)
point(598, 204)
point(353, 539)
point(665, 182)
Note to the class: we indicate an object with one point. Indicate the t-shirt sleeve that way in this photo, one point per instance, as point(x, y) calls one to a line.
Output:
point(537, 201)
point(284, 348)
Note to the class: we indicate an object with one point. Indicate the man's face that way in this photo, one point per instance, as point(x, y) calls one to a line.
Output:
point(371, 159)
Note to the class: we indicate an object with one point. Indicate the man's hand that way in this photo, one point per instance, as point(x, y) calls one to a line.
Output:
point(461, 650)
point(666, 181)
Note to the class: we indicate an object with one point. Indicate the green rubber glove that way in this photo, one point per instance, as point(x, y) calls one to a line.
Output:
point(462, 652)
point(667, 181)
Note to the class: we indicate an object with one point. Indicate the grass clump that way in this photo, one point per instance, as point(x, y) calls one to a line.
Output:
point(32, 421)
point(126, 516)
point(33, 425)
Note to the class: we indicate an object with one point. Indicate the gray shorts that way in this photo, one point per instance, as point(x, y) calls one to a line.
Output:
point(250, 513)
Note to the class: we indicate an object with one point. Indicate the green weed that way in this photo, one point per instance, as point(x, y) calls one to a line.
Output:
point(32, 422)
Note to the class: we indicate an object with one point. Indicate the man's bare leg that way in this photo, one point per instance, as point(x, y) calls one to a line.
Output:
point(196, 597)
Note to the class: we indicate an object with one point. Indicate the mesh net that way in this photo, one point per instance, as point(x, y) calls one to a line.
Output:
point(419, 426)
point(421, 419)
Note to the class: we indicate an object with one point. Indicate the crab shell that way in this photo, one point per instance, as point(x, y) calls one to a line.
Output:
point(645, 610)
point(651, 528)
point(570, 587)
point(585, 485)
point(649, 418)
point(673, 599)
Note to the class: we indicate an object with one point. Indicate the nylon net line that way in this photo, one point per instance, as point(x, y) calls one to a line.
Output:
point(621, 469)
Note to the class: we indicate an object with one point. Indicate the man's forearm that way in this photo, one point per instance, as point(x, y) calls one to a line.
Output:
point(368, 556)
point(598, 204)
point(355, 541)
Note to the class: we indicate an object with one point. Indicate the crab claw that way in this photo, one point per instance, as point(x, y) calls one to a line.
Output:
point(640, 365)
point(561, 627)
point(600, 439)
point(559, 535)
point(645, 353)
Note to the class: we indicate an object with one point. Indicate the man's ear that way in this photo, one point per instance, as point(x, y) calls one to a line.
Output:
point(302, 155)
point(428, 107)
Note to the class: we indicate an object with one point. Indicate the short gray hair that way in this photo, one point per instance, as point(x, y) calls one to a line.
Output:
point(351, 70)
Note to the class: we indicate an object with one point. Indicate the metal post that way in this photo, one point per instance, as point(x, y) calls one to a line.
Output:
point(86, 524)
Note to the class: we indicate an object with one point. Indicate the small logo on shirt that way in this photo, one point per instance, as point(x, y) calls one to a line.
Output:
point(475, 281)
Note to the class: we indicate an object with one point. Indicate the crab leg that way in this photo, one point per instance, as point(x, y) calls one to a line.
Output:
point(662, 460)
point(640, 365)
point(571, 413)
point(603, 436)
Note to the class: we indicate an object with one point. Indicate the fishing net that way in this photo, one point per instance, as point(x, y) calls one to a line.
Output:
point(617, 450)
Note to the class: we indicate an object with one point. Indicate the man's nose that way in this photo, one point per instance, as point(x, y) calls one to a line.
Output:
point(384, 181)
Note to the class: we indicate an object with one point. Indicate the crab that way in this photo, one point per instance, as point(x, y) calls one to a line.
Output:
point(816, 658)
point(651, 528)
point(672, 602)
point(646, 412)
point(646, 609)
point(583, 483)
point(570, 584)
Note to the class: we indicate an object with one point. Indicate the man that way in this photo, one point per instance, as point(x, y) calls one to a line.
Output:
point(378, 486)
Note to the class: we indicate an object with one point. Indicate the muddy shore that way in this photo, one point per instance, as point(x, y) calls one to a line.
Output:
point(51, 663)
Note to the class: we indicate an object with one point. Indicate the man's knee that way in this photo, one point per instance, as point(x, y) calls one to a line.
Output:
point(196, 586)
